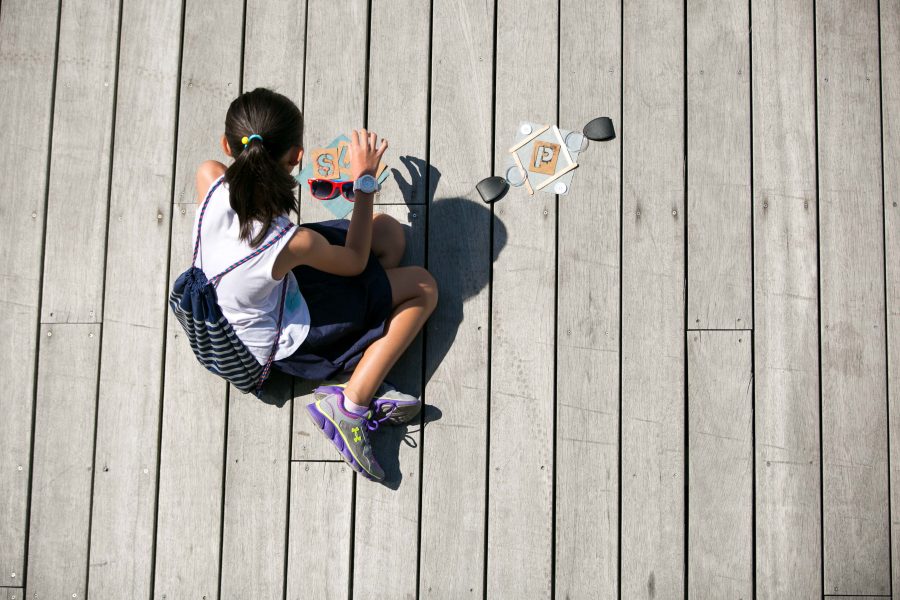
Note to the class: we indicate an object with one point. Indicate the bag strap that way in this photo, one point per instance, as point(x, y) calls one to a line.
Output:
point(265, 372)
point(209, 194)
point(215, 280)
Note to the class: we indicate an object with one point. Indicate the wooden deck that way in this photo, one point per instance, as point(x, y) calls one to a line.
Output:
point(680, 380)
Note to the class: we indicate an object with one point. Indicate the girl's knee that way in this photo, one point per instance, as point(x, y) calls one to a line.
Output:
point(388, 238)
point(428, 287)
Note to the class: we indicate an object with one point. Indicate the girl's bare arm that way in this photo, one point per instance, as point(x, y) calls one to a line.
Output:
point(365, 156)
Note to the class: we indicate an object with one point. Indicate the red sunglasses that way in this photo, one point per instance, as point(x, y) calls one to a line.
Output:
point(326, 189)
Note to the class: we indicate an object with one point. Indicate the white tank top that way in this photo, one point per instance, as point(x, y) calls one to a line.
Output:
point(248, 295)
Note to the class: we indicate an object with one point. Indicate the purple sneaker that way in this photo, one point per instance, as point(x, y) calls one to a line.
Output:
point(347, 431)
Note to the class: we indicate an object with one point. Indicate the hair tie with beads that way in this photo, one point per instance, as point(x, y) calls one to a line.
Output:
point(246, 140)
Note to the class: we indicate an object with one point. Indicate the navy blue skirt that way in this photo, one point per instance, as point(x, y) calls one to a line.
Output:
point(346, 314)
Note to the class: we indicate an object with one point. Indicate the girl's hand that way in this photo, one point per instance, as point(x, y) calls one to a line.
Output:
point(365, 154)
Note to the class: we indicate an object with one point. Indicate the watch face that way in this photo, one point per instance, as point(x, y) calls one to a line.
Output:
point(367, 184)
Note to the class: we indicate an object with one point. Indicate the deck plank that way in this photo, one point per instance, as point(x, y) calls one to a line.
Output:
point(720, 450)
point(387, 515)
point(72, 293)
point(254, 531)
point(397, 111)
point(890, 90)
point(319, 538)
point(257, 475)
point(398, 92)
point(27, 58)
point(125, 464)
point(786, 332)
point(191, 461)
point(453, 487)
point(653, 275)
point(334, 100)
point(718, 165)
point(335, 88)
point(522, 328)
point(275, 59)
point(587, 384)
point(63, 461)
point(854, 419)
point(189, 514)
point(79, 163)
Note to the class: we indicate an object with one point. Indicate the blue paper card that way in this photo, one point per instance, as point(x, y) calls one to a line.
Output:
point(332, 162)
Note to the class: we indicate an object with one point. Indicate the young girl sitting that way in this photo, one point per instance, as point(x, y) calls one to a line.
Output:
point(349, 306)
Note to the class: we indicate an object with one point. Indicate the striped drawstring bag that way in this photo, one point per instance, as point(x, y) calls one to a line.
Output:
point(213, 340)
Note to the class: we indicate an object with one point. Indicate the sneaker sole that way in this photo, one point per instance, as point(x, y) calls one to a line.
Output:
point(331, 431)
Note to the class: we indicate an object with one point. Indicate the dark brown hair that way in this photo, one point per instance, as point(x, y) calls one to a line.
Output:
point(258, 186)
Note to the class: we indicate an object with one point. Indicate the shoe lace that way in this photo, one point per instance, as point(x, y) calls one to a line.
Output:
point(372, 423)
point(393, 406)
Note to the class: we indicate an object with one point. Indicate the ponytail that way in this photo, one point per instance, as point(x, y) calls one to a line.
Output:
point(259, 187)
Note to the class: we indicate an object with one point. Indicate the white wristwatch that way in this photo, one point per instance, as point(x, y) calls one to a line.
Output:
point(367, 185)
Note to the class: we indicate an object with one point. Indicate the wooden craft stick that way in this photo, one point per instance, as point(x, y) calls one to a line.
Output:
point(563, 144)
point(559, 174)
point(533, 135)
point(524, 173)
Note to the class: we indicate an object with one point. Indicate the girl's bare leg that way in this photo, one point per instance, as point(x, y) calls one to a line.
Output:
point(414, 297)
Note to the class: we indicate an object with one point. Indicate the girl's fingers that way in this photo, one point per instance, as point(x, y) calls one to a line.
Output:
point(365, 143)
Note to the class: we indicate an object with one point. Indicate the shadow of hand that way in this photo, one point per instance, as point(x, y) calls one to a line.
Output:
point(419, 172)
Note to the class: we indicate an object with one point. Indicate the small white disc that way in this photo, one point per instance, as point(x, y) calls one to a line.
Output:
point(514, 176)
point(560, 188)
point(525, 129)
